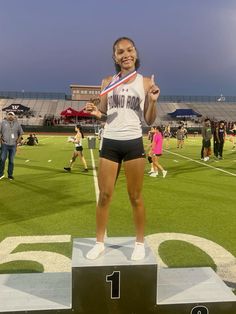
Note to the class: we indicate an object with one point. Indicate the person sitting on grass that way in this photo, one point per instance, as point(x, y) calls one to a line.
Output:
point(30, 140)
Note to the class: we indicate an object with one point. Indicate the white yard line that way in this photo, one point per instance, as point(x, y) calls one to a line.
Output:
point(201, 163)
point(44, 139)
point(95, 178)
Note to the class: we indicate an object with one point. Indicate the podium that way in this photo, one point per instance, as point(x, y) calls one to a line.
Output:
point(114, 284)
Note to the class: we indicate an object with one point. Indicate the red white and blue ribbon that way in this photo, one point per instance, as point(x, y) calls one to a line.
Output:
point(117, 82)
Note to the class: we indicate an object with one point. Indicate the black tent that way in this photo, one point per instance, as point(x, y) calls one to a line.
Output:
point(184, 113)
point(16, 108)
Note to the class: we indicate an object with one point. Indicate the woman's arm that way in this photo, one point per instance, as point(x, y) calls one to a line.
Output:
point(154, 143)
point(77, 138)
point(99, 109)
point(152, 92)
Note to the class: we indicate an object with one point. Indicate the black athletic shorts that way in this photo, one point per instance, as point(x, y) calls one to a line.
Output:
point(116, 150)
point(79, 148)
point(206, 143)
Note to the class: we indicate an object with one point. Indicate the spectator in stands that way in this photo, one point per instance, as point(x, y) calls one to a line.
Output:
point(11, 133)
point(78, 152)
point(123, 107)
point(206, 139)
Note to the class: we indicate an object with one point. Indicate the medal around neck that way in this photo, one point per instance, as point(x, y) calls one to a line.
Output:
point(117, 81)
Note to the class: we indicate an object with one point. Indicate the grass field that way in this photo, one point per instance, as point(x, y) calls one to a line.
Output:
point(195, 198)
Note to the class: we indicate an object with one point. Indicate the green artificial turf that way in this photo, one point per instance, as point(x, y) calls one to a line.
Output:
point(45, 200)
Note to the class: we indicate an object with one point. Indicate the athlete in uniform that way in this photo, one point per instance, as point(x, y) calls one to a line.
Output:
point(78, 150)
point(123, 108)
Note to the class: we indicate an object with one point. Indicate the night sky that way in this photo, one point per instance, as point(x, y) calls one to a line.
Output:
point(189, 45)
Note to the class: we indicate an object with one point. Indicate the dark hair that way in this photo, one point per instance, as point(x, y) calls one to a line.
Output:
point(137, 62)
point(80, 129)
point(159, 129)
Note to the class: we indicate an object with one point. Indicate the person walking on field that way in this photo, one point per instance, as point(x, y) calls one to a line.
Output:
point(149, 149)
point(157, 146)
point(78, 152)
point(125, 99)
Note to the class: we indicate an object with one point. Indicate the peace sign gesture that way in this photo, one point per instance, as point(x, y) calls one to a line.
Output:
point(154, 90)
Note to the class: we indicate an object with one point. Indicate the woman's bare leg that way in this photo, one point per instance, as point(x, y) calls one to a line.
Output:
point(83, 160)
point(107, 176)
point(134, 171)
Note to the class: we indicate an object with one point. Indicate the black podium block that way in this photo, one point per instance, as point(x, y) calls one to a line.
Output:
point(113, 283)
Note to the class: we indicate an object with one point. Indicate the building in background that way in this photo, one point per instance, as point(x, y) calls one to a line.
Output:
point(84, 92)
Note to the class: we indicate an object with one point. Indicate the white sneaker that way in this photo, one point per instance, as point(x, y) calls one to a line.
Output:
point(98, 248)
point(206, 158)
point(2, 177)
point(153, 174)
point(138, 252)
point(164, 173)
point(151, 171)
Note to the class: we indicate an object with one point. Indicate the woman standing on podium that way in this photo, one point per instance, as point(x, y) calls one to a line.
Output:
point(124, 100)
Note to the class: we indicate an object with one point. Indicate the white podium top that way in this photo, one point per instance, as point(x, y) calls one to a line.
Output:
point(35, 292)
point(191, 285)
point(118, 251)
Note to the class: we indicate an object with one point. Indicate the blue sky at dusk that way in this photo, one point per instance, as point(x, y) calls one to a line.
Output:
point(189, 45)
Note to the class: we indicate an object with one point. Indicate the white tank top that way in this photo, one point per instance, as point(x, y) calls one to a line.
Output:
point(78, 139)
point(125, 106)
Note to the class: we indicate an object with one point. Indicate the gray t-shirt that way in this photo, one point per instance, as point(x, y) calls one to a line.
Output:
point(10, 131)
point(206, 132)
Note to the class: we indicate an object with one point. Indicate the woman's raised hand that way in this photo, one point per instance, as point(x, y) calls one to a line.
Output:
point(154, 90)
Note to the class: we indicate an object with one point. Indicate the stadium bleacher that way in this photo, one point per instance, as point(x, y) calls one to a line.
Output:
point(52, 107)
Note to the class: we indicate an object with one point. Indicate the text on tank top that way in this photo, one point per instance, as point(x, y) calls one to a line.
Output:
point(125, 105)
